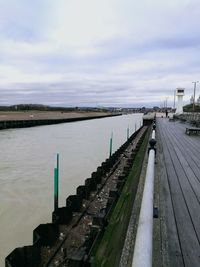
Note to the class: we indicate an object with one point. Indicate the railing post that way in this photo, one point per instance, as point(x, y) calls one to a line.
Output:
point(128, 132)
point(154, 131)
point(56, 182)
point(111, 142)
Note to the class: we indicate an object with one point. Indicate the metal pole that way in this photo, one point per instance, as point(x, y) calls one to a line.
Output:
point(111, 141)
point(174, 98)
point(56, 182)
point(194, 94)
point(128, 132)
point(135, 127)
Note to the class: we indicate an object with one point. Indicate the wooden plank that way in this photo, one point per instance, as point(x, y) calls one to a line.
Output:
point(190, 198)
point(191, 154)
point(191, 169)
point(171, 250)
point(190, 145)
point(179, 129)
point(186, 231)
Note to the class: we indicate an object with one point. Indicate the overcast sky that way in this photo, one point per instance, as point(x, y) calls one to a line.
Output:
point(98, 52)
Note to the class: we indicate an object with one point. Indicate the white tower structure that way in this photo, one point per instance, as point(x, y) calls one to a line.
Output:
point(180, 93)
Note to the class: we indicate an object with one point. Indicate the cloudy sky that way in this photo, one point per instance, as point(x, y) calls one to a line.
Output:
point(98, 52)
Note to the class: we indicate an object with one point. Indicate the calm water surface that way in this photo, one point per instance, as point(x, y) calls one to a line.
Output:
point(26, 170)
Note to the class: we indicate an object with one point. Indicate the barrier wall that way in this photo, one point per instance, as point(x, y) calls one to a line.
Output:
point(32, 123)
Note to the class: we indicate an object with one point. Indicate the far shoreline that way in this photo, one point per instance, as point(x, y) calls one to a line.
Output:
point(24, 119)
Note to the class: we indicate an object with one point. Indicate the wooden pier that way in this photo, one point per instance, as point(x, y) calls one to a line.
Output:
point(178, 164)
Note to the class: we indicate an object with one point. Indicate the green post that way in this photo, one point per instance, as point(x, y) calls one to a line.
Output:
point(56, 182)
point(111, 140)
point(128, 132)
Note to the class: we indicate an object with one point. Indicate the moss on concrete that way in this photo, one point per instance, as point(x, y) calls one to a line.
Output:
point(108, 252)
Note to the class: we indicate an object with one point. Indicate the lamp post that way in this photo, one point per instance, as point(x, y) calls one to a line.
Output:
point(195, 84)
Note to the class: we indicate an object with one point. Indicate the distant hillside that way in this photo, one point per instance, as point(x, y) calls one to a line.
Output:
point(189, 108)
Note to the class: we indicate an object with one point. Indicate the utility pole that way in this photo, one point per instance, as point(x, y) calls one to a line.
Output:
point(195, 84)
point(174, 98)
point(166, 102)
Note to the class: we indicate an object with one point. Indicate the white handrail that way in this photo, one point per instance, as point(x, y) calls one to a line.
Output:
point(153, 134)
point(142, 256)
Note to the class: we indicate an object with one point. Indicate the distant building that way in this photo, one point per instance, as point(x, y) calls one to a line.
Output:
point(180, 92)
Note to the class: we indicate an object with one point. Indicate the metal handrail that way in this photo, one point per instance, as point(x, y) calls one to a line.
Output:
point(142, 256)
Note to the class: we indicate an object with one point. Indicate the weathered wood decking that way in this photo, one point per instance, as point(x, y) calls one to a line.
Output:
point(179, 165)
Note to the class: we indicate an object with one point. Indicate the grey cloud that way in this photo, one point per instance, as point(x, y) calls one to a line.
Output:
point(168, 38)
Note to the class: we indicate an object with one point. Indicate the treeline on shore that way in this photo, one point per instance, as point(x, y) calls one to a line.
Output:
point(40, 107)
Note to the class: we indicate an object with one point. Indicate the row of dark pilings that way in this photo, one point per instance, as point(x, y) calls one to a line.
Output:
point(45, 235)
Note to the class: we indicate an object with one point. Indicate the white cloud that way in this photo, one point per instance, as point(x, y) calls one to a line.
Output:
point(83, 22)
point(113, 52)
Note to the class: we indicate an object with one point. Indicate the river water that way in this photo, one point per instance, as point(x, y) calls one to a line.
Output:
point(26, 170)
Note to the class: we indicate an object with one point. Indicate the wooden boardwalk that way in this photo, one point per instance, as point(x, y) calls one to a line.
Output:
point(179, 164)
